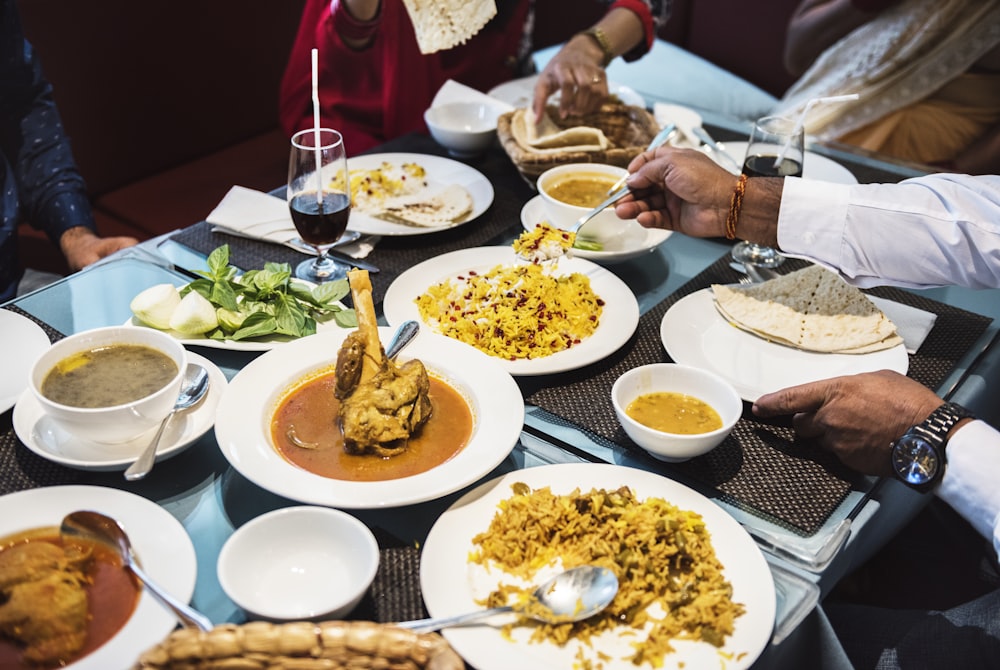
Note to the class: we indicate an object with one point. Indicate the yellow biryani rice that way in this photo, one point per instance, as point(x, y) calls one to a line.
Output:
point(671, 584)
point(514, 312)
point(370, 189)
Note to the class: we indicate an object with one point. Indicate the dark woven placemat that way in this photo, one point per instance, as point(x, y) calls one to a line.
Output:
point(761, 465)
point(21, 468)
point(393, 255)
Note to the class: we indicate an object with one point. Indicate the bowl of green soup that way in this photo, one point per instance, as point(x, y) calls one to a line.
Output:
point(110, 385)
point(675, 412)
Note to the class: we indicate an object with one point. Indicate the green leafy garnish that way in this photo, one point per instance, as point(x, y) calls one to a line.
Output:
point(266, 302)
point(587, 245)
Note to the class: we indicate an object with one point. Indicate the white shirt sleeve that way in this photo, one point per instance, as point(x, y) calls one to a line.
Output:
point(971, 483)
point(937, 230)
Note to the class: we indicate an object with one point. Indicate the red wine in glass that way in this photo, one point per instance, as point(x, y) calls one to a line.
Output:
point(320, 222)
point(763, 166)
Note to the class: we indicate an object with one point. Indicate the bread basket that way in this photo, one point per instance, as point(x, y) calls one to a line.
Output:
point(629, 129)
point(330, 645)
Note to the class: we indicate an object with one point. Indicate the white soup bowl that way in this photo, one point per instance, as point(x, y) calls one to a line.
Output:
point(465, 129)
point(605, 226)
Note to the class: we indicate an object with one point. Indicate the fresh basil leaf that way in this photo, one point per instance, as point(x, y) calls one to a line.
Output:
point(289, 316)
point(218, 262)
point(330, 292)
point(346, 318)
point(256, 325)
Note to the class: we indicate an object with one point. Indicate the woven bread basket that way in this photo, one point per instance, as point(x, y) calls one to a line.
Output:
point(330, 645)
point(628, 128)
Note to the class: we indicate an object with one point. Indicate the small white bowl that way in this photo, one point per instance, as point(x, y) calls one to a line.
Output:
point(465, 129)
point(669, 377)
point(299, 563)
point(604, 227)
point(120, 423)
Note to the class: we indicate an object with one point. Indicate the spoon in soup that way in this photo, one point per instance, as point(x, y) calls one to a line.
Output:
point(102, 528)
point(576, 594)
point(193, 389)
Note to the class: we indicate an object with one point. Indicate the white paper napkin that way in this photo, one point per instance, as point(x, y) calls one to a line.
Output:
point(452, 91)
point(260, 216)
point(685, 119)
point(912, 324)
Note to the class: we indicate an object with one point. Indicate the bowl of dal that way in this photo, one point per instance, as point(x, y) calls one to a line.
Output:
point(570, 191)
point(465, 129)
point(675, 412)
point(109, 385)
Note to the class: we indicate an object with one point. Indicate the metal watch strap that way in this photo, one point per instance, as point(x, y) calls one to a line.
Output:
point(942, 420)
point(602, 41)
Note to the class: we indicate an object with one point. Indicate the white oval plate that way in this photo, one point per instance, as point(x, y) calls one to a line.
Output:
point(46, 438)
point(242, 424)
point(521, 92)
point(694, 333)
point(441, 172)
point(265, 344)
point(21, 342)
point(451, 585)
point(632, 241)
point(814, 165)
point(161, 544)
point(618, 322)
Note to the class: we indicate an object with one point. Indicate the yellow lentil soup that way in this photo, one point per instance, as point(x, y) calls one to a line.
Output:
point(676, 413)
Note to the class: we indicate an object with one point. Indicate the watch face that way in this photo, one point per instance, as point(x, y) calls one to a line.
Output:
point(915, 460)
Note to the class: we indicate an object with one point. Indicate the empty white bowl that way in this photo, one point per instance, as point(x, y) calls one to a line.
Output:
point(119, 423)
point(465, 129)
point(299, 563)
point(604, 227)
point(669, 377)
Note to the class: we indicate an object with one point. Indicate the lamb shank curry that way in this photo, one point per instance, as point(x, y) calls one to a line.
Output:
point(369, 418)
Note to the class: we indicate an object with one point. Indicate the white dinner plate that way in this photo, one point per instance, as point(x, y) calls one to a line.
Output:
point(160, 542)
point(521, 92)
point(618, 322)
point(441, 172)
point(694, 333)
point(243, 422)
point(46, 438)
point(257, 344)
point(633, 240)
point(21, 342)
point(451, 585)
point(814, 165)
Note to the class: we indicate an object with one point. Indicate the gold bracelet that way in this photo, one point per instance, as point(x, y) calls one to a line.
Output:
point(735, 205)
point(602, 41)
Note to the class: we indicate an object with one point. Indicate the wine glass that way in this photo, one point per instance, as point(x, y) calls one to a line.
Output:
point(771, 137)
point(319, 198)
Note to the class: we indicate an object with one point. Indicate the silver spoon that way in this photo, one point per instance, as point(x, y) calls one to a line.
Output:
point(193, 389)
point(97, 526)
point(573, 595)
point(403, 336)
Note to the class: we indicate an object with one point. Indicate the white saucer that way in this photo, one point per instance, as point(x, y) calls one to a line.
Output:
point(44, 437)
point(634, 240)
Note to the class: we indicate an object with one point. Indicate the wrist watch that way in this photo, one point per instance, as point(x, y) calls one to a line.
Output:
point(917, 457)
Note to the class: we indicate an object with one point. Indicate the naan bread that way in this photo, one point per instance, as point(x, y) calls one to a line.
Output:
point(451, 204)
point(811, 309)
point(547, 137)
point(443, 24)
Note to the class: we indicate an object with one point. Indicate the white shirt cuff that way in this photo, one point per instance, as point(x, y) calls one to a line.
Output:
point(970, 483)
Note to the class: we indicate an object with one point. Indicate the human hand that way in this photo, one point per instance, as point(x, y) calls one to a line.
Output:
point(576, 73)
point(81, 246)
point(856, 417)
point(678, 189)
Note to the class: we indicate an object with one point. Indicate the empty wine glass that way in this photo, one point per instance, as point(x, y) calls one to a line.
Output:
point(771, 137)
point(319, 198)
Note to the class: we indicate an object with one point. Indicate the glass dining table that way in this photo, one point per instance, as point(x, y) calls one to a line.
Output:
point(813, 522)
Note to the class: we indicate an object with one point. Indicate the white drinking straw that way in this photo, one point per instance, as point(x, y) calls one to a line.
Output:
point(800, 124)
point(316, 139)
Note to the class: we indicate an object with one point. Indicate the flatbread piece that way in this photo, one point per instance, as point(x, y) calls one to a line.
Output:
point(443, 24)
point(546, 137)
point(811, 309)
point(450, 205)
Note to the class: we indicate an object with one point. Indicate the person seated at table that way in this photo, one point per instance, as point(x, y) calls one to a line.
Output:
point(40, 180)
point(374, 83)
point(927, 71)
point(929, 231)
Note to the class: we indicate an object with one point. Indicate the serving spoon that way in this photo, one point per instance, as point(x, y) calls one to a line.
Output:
point(573, 595)
point(193, 389)
point(403, 336)
point(102, 528)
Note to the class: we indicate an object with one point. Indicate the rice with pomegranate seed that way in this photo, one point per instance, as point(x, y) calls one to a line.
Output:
point(671, 584)
point(514, 311)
